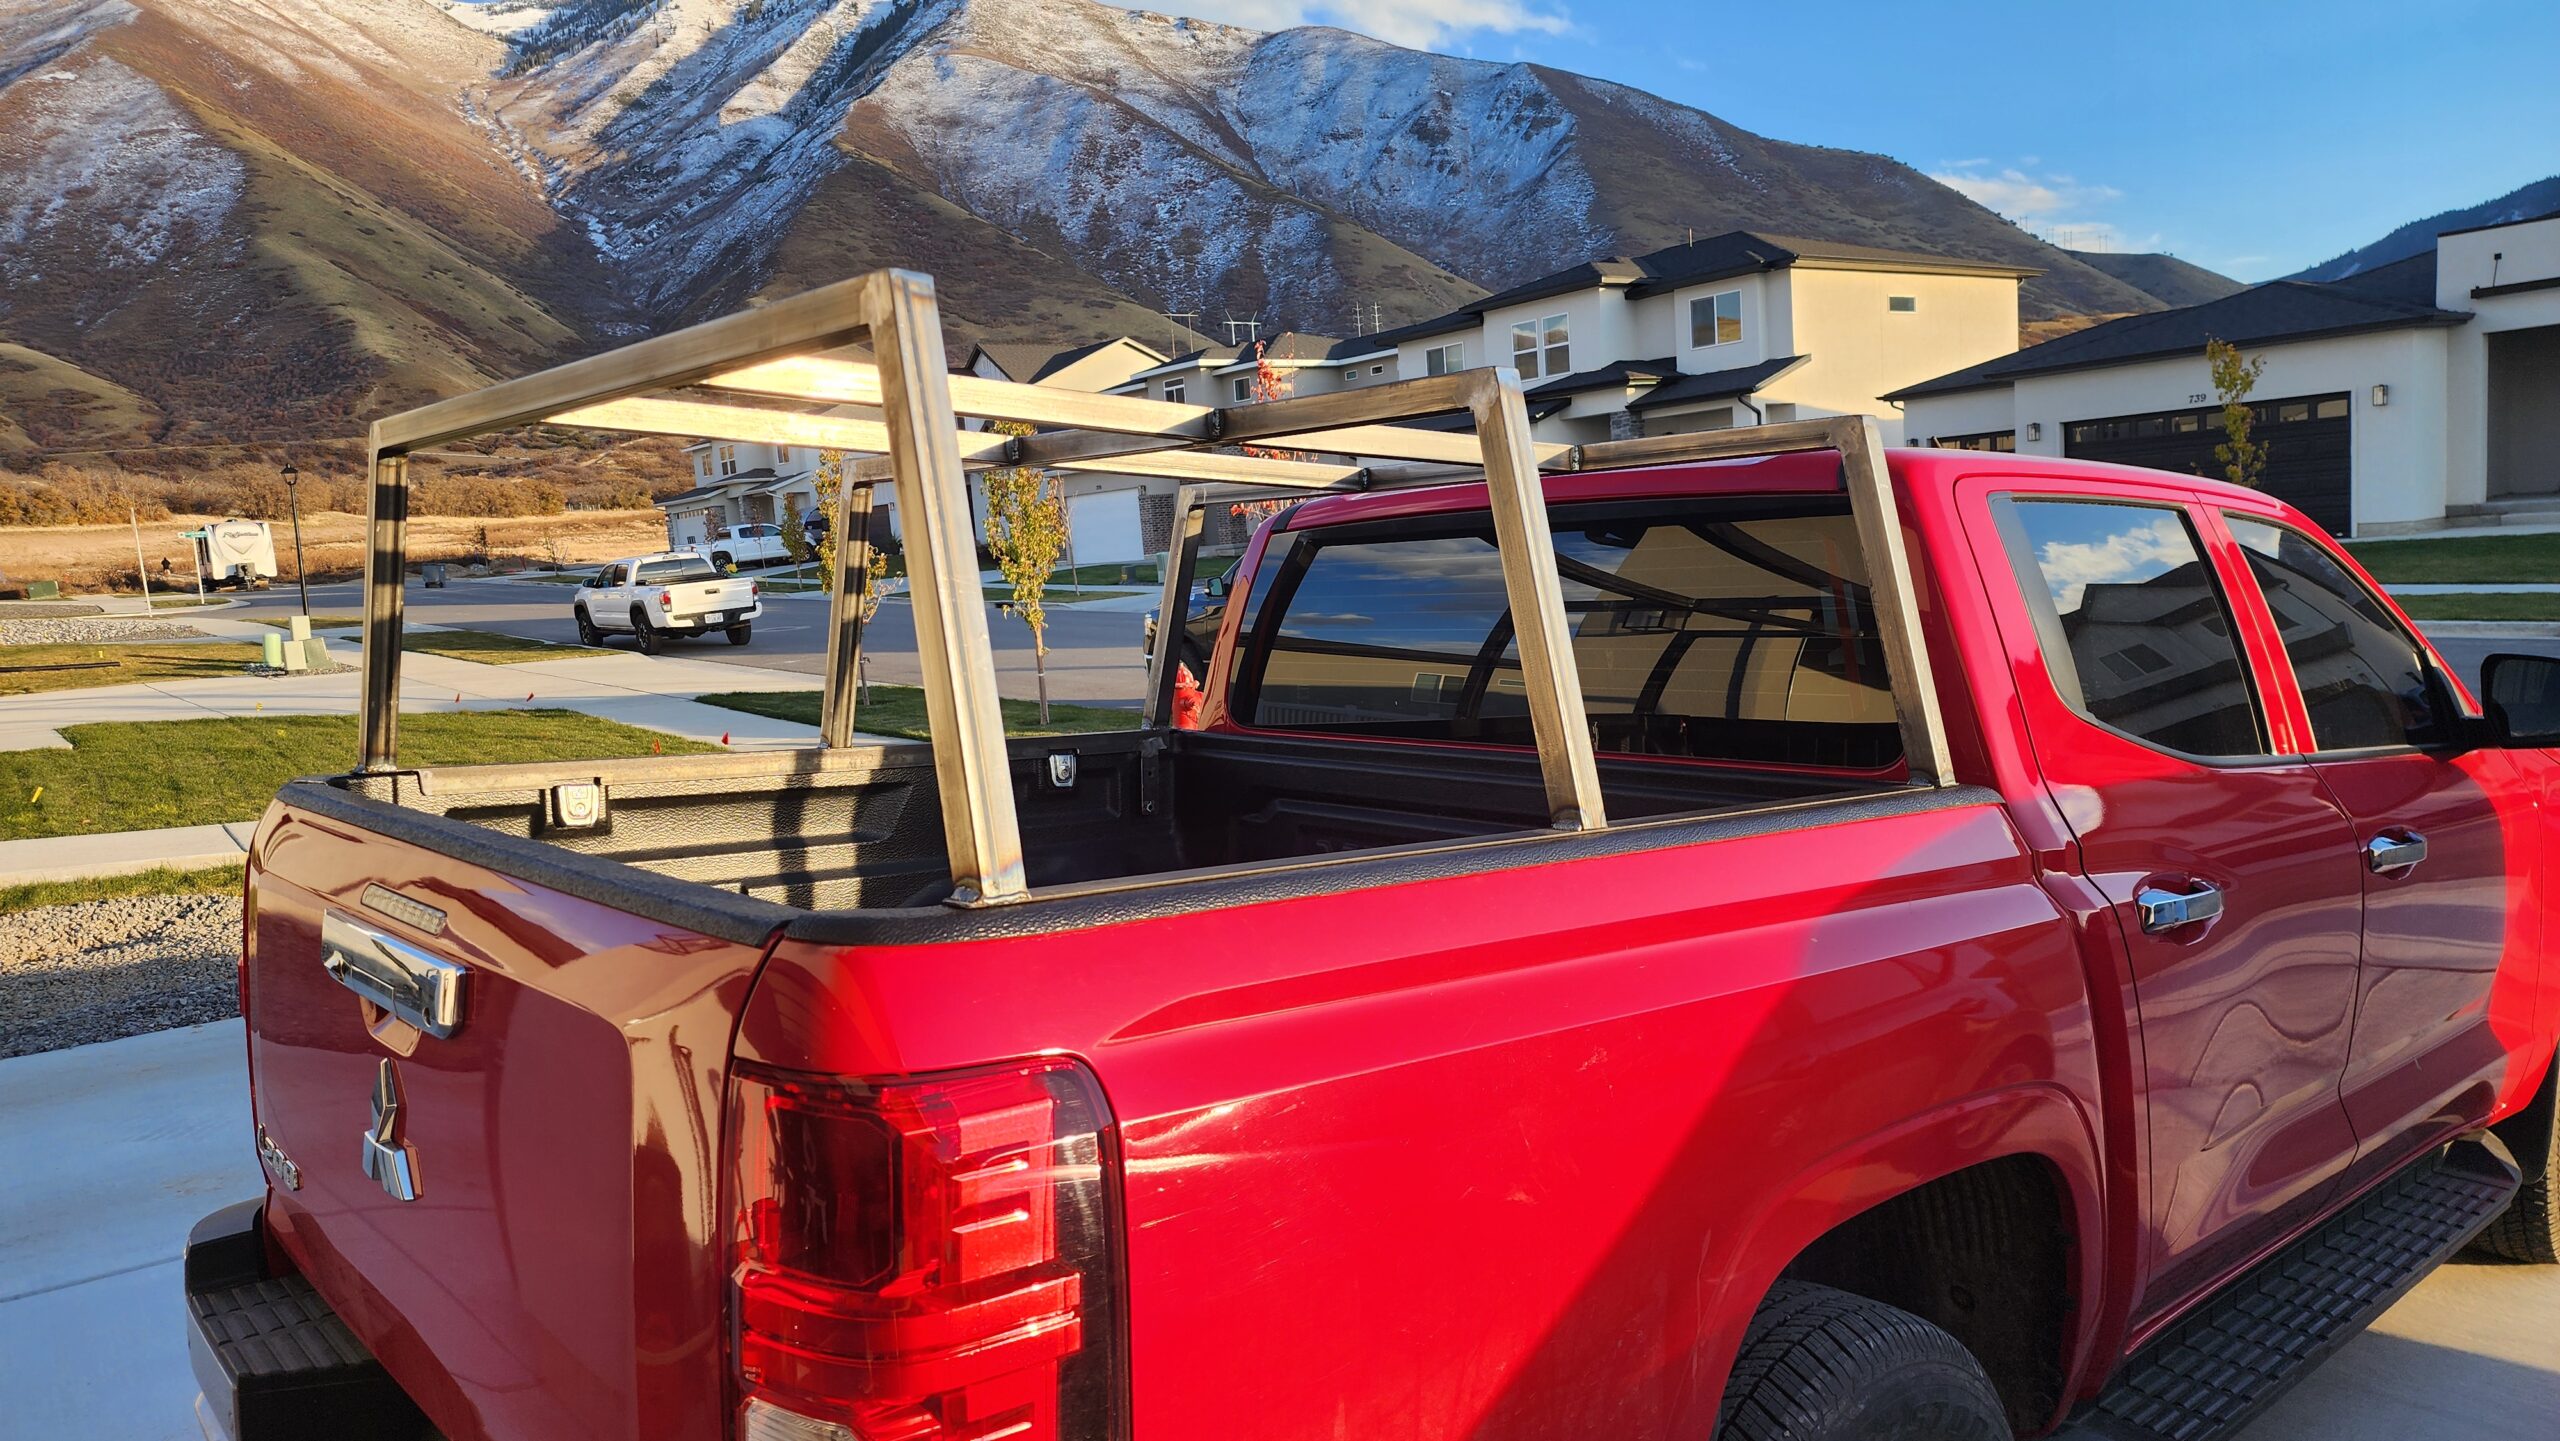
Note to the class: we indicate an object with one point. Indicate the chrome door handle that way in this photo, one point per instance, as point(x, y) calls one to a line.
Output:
point(424, 990)
point(2385, 855)
point(2166, 910)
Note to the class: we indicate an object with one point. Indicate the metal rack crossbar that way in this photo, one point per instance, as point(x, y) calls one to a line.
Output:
point(778, 353)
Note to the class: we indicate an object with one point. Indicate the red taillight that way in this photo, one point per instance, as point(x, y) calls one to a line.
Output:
point(925, 1260)
point(755, 589)
point(666, 600)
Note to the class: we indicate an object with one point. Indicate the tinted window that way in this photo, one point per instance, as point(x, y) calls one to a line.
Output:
point(2134, 630)
point(1736, 629)
point(2362, 677)
point(663, 572)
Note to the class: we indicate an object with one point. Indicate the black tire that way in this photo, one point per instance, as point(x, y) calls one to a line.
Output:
point(1823, 1365)
point(2529, 1229)
point(587, 632)
point(723, 560)
point(742, 632)
point(651, 642)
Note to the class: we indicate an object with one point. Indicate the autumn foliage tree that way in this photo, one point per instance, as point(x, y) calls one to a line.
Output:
point(2243, 459)
point(1026, 532)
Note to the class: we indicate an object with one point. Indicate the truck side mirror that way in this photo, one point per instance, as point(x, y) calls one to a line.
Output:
point(2520, 695)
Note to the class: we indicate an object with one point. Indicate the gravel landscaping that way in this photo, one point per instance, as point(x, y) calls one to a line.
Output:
point(14, 631)
point(101, 970)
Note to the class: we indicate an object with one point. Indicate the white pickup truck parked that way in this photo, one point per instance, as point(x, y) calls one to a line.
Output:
point(656, 597)
point(737, 545)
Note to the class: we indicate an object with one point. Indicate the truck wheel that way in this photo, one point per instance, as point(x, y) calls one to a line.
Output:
point(1823, 1365)
point(742, 632)
point(2529, 1229)
point(724, 560)
point(650, 641)
point(587, 632)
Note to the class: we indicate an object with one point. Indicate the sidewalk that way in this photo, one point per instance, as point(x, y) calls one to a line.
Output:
point(652, 691)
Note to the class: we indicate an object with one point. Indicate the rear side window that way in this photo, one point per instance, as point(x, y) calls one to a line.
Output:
point(2363, 679)
point(1733, 629)
point(2134, 629)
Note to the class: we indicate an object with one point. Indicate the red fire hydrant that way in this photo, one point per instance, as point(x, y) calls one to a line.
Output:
point(1187, 697)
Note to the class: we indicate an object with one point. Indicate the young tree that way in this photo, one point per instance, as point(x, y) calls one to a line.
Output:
point(795, 534)
point(2243, 460)
point(1026, 530)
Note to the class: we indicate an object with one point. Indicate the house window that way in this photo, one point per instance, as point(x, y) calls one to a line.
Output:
point(1541, 347)
point(702, 465)
point(1445, 359)
point(1902, 303)
point(1173, 391)
point(782, 455)
point(1377, 370)
point(1243, 389)
point(728, 460)
point(1351, 373)
point(1716, 319)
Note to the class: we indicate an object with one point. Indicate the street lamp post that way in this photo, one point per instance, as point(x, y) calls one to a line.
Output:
point(293, 501)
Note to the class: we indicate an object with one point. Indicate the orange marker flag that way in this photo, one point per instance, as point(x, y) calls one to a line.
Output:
point(724, 738)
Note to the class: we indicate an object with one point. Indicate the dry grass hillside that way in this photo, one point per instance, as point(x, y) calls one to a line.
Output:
point(100, 557)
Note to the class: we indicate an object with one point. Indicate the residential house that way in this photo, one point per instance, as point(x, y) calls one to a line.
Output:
point(2410, 396)
point(737, 483)
point(1731, 329)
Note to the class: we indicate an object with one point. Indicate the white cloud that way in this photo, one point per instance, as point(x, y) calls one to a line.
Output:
point(2053, 204)
point(2136, 553)
point(1423, 24)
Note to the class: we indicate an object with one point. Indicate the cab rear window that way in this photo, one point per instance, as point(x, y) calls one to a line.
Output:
point(1722, 629)
point(667, 572)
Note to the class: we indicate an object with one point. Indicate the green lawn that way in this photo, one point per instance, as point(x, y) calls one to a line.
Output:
point(184, 602)
point(2482, 605)
point(563, 578)
point(1138, 572)
point(143, 775)
point(898, 710)
point(2462, 560)
point(488, 647)
point(22, 669)
point(163, 881)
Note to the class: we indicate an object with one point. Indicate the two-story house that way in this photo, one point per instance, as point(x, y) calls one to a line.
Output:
point(1732, 329)
point(738, 483)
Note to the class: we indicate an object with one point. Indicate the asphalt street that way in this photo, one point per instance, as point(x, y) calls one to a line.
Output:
point(1094, 657)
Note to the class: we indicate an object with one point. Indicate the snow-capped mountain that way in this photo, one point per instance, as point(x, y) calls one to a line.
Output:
point(303, 210)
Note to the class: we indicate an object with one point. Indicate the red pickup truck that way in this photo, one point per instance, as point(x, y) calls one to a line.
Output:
point(2049, 947)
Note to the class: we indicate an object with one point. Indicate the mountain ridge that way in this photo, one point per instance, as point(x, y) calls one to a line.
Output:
point(2539, 197)
point(412, 199)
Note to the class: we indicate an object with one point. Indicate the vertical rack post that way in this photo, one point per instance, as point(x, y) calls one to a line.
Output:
point(854, 559)
point(386, 552)
point(971, 770)
point(1518, 501)
point(1173, 612)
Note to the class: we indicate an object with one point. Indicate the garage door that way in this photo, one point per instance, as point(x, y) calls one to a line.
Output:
point(1104, 527)
point(2309, 454)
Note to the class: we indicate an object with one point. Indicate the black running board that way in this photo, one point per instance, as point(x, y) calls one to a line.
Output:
point(2219, 1368)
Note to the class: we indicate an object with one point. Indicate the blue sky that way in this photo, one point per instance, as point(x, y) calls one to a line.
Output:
point(2253, 137)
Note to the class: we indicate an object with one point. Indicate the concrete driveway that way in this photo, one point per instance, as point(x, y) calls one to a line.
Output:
point(109, 1153)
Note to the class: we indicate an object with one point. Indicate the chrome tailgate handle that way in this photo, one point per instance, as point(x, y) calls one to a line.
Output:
point(2166, 910)
point(2386, 854)
point(424, 990)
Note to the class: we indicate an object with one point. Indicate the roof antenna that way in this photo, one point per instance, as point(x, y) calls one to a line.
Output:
point(1176, 322)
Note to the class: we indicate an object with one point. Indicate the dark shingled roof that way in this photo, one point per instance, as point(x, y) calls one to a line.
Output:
point(1292, 345)
point(2413, 279)
point(1464, 423)
point(2278, 311)
point(1717, 384)
point(1613, 376)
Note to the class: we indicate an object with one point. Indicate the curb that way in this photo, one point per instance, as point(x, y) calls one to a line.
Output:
point(201, 861)
point(2491, 629)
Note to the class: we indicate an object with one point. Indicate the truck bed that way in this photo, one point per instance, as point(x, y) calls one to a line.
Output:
point(860, 830)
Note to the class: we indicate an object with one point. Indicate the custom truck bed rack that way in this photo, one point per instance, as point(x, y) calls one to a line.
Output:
point(774, 375)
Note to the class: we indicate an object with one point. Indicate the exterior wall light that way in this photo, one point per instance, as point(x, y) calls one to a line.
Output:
point(2035, 430)
point(2381, 396)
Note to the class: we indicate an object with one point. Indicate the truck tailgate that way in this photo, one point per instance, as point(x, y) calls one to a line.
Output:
point(694, 597)
point(554, 1274)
